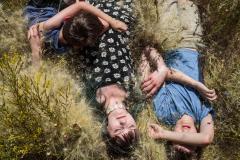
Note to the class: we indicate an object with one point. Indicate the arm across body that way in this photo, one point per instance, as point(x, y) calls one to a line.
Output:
point(178, 76)
point(34, 33)
point(74, 9)
point(203, 138)
point(155, 80)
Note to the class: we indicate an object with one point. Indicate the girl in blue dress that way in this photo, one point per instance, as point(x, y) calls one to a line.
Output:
point(179, 102)
point(182, 101)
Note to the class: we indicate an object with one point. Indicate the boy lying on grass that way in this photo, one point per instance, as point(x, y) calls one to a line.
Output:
point(178, 102)
point(78, 25)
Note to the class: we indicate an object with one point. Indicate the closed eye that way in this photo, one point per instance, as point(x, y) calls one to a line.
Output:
point(132, 126)
point(117, 131)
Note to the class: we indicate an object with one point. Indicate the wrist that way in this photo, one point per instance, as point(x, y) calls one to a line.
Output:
point(112, 21)
point(196, 85)
point(41, 27)
point(162, 134)
point(162, 69)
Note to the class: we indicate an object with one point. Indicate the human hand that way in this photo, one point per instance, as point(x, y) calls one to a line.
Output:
point(33, 32)
point(118, 25)
point(153, 82)
point(35, 43)
point(34, 38)
point(209, 94)
point(155, 131)
point(184, 148)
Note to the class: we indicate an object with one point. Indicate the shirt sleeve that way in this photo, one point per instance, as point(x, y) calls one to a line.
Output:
point(52, 38)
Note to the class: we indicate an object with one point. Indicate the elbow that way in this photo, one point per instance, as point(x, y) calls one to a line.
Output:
point(81, 5)
point(208, 139)
point(106, 25)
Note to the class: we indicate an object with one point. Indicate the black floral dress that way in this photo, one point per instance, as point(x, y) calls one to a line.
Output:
point(111, 58)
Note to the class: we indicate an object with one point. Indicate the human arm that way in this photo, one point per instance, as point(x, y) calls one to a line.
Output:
point(74, 9)
point(35, 43)
point(154, 81)
point(178, 76)
point(205, 137)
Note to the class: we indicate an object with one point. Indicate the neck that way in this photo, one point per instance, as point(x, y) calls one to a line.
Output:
point(114, 105)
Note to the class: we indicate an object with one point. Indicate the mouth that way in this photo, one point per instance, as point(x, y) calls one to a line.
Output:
point(186, 126)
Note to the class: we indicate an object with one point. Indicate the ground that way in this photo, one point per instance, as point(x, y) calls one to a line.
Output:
point(39, 114)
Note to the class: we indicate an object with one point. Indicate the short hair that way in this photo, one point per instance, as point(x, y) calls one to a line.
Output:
point(83, 28)
point(117, 146)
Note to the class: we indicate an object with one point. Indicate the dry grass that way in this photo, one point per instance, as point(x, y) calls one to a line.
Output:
point(54, 120)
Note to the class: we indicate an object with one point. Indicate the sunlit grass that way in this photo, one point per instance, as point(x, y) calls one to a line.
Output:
point(43, 117)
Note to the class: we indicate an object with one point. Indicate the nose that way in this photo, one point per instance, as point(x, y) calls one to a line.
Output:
point(122, 121)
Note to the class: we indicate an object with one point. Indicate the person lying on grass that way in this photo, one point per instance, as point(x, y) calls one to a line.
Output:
point(111, 71)
point(179, 100)
point(78, 25)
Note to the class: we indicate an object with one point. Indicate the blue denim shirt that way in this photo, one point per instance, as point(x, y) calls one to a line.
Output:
point(35, 15)
point(174, 100)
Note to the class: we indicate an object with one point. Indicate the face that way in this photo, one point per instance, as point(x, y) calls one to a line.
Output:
point(185, 124)
point(120, 122)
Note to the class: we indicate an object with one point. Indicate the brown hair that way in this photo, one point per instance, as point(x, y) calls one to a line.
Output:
point(117, 146)
point(82, 29)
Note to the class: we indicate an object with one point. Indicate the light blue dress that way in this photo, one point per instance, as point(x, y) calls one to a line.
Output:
point(174, 100)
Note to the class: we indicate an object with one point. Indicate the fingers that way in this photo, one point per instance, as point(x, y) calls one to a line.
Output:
point(30, 33)
point(33, 31)
point(152, 92)
point(149, 87)
point(146, 82)
point(151, 131)
point(154, 131)
point(120, 26)
point(182, 149)
point(153, 126)
point(210, 95)
point(124, 27)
